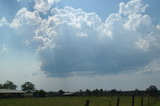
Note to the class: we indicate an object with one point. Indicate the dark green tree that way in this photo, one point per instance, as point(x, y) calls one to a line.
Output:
point(28, 86)
point(152, 90)
point(80, 93)
point(61, 92)
point(9, 85)
point(95, 92)
point(41, 93)
point(52, 94)
point(114, 92)
point(1, 86)
point(101, 92)
point(88, 92)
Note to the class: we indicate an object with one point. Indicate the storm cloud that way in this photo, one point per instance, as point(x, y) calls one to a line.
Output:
point(74, 42)
point(83, 44)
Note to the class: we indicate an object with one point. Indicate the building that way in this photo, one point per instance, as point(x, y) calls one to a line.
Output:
point(70, 94)
point(9, 93)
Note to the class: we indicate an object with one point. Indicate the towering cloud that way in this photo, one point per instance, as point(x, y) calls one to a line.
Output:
point(74, 42)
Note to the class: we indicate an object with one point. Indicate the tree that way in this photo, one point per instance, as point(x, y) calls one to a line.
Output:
point(114, 92)
point(81, 93)
point(9, 85)
point(41, 93)
point(61, 92)
point(28, 86)
point(1, 86)
point(95, 92)
point(88, 92)
point(52, 94)
point(101, 92)
point(152, 90)
point(137, 92)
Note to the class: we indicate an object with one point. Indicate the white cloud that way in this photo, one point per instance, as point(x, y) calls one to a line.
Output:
point(44, 5)
point(139, 23)
point(158, 26)
point(3, 22)
point(45, 34)
point(67, 20)
point(25, 17)
point(3, 49)
point(133, 6)
point(24, 24)
point(150, 42)
point(114, 24)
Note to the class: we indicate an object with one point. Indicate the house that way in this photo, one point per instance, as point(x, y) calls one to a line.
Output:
point(9, 93)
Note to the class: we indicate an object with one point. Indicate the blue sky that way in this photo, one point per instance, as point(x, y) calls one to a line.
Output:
point(80, 44)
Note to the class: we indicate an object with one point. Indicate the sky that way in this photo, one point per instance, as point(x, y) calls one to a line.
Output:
point(80, 44)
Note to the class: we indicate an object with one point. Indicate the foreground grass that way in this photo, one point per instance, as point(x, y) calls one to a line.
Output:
point(73, 101)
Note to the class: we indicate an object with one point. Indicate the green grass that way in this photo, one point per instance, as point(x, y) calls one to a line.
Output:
point(74, 101)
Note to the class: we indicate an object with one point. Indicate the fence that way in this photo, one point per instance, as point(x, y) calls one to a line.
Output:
point(150, 99)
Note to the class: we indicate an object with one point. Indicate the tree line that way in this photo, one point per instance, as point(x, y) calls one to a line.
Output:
point(150, 91)
point(31, 88)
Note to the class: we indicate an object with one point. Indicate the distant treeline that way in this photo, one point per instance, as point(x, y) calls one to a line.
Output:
point(113, 92)
point(30, 88)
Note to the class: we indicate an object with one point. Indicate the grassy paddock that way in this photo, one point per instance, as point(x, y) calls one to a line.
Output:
point(74, 101)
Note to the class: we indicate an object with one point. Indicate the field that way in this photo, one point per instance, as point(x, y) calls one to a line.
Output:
point(75, 101)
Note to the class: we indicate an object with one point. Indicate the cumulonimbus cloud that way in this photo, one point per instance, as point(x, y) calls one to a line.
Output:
point(72, 41)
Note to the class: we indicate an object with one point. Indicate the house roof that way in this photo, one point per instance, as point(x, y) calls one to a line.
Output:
point(10, 91)
point(68, 93)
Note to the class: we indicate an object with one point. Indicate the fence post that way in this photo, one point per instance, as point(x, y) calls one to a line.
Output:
point(87, 103)
point(118, 101)
point(142, 101)
point(132, 100)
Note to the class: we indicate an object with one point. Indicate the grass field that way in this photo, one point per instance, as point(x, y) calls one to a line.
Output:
point(74, 101)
